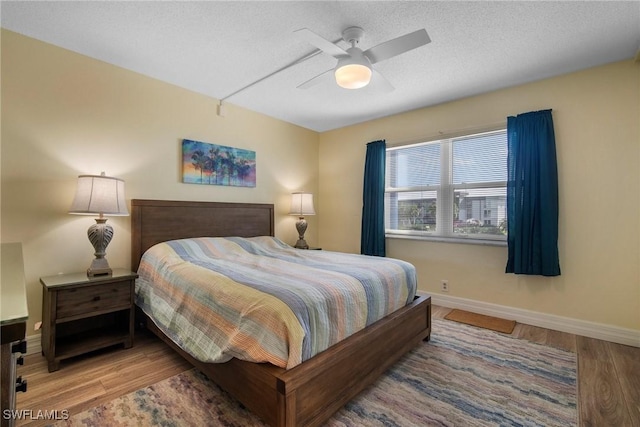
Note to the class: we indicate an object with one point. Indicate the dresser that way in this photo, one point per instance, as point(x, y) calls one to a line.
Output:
point(13, 324)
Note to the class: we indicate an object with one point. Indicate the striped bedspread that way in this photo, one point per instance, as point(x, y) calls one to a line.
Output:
point(258, 299)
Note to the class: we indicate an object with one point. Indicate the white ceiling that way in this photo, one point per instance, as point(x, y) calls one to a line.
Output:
point(216, 48)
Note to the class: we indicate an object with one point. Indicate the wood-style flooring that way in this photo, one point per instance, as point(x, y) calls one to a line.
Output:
point(608, 376)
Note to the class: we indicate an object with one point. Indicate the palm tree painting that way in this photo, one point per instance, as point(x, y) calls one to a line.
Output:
point(211, 164)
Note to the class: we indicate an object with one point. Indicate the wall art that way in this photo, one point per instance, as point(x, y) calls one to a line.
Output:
point(211, 164)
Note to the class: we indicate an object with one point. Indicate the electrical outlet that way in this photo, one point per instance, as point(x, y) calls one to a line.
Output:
point(444, 286)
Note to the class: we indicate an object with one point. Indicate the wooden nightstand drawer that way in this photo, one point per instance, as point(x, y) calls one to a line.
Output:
point(93, 299)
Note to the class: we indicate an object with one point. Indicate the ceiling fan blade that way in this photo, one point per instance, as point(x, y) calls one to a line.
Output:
point(323, 77)
point(381, 82)
point(321, 43)
point(397, 46)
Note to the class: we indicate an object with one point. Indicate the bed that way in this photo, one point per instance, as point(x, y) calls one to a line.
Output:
point(309, 393)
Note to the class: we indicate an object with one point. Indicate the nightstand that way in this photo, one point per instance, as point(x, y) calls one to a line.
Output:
point(82, 314)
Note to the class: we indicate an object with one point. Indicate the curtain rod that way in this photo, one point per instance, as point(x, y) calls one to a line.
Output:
point(450, 133)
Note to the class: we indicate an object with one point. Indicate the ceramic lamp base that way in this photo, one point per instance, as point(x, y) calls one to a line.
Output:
point(301, 226)
point(100, 234)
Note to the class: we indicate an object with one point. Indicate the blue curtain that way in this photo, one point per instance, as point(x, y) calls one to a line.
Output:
point(532, 195)
point(372, 237)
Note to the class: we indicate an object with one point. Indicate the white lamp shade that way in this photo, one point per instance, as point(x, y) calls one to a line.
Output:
point(302, 204)
point(99, 194)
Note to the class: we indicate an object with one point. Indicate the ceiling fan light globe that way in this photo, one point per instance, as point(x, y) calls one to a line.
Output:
point(353, 76)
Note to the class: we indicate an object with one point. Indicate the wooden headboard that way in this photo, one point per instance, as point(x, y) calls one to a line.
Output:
point(155, 221)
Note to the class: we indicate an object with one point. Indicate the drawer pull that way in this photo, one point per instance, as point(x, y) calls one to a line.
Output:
point(19, 347)
point(21, 385)
point(96, 298)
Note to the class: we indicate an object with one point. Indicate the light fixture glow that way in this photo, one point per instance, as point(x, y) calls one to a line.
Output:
point(353, 71)
point(353, 76)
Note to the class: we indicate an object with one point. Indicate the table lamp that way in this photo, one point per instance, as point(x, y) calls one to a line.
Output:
point(104, 196)
point(301, 205)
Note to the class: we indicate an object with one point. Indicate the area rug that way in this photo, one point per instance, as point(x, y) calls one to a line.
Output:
point(482, 321)
point(464, 376)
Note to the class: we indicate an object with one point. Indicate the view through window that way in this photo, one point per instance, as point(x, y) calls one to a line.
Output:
point(451, 188)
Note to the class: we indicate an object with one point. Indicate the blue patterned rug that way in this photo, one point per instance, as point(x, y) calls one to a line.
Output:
point(465, 376)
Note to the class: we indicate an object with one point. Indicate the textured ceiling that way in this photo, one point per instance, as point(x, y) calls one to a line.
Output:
point(217, 48)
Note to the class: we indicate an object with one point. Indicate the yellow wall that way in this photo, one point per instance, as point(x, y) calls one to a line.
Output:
point(65, 114)
point(596, 115)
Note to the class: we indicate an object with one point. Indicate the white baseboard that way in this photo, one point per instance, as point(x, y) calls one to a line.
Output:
point(549, 321)
point(34, 345)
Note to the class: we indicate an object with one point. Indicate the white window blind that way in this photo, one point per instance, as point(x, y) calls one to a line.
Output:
point(451, 188)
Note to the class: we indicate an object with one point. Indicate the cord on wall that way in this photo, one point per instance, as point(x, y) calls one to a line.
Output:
point(220, 108)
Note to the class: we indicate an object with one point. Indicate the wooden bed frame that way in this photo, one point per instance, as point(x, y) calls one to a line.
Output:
point(308, 394)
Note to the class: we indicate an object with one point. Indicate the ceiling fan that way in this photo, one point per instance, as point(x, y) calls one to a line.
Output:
point(354, 67)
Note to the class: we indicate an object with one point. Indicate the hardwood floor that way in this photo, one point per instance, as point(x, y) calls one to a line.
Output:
point(608, 376)
point(87, 381)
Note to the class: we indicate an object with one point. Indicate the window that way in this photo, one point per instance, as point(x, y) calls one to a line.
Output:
point(450, 188)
